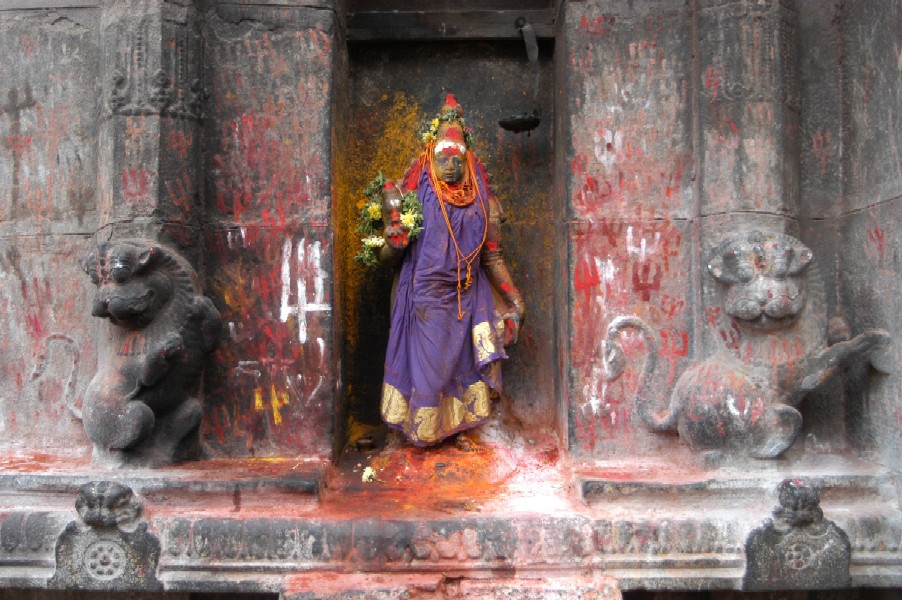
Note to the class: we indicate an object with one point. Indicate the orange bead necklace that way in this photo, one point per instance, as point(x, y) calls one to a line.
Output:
point(461, 195)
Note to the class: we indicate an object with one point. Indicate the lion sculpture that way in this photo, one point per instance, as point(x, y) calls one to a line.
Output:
point(773, 351)
point(141, 407)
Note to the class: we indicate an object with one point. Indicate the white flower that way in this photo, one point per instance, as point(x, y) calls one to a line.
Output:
point(369, 475)
point(373, 241)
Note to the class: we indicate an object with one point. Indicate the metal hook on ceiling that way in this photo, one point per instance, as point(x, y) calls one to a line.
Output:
point(526, 121)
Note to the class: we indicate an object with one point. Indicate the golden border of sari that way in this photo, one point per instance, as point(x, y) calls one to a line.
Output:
point(431, 424)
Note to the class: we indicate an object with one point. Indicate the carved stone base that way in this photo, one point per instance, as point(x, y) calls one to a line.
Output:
point(797, 549)
point(106, 559)
point(280, 529)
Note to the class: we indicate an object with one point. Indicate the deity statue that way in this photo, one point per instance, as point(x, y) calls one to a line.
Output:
point(454, 306)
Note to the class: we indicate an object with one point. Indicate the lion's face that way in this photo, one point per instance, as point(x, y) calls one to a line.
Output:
point(764, 278)
point(130, 291)
point(106, 503)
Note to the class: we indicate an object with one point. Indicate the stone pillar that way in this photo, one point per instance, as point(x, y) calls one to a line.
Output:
point(871, 242)
point(625, 176)
point(148, 179)
point(271, 73)
point(748, 110)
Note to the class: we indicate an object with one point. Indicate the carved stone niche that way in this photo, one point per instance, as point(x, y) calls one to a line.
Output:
point(109, 549)
point(772, 331)
point(798, 549)
point(142, 407)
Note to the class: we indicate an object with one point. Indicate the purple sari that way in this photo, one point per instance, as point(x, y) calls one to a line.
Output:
point(441, 373)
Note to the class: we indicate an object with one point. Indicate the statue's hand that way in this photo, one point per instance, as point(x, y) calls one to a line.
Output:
point(513, 322)
point(396, 237)
point(172, 347)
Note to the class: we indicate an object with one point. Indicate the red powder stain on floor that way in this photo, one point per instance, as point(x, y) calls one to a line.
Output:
point(420, 480)
point(498, 473)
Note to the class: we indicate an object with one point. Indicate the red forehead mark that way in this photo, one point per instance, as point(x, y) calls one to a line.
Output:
point(450, 151)
point(453, 134)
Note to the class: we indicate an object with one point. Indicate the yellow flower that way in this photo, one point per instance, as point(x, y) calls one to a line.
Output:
point(408, 220)
point(435, 124)
point(374, 210)
point(428, 137)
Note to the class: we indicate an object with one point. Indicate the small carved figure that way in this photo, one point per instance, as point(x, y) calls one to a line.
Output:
point(448, 330)
point(141, 406)
point(110, 549)
point(773, 351)
point(798, 549)
point(106, 504)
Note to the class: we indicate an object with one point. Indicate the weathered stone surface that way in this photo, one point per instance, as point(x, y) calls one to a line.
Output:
point(150, 106)
point(623, 267)
point(630, 187)
point(821, 135)
point(271, 386)
point(627, 110)
point(48, 120)
point(268, 141)
point(49, 349)
point(871, 244)
point(872, 86)
point(272, 74)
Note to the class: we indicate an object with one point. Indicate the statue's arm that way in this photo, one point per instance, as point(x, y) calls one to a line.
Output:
point(395, 235)
point(500, 277)
point(389, 255)
point(829, 361)
point(157, 362)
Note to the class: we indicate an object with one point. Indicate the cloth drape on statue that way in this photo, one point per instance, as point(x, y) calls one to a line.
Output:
point(441, 373)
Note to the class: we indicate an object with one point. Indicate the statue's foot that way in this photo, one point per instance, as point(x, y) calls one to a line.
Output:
point(394, 440)
point(180, 440)
point(779, 429)
point(464, 442)
point(133, 426)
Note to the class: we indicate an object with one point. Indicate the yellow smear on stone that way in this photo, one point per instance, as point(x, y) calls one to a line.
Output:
point(381, 136)
point(357, 429)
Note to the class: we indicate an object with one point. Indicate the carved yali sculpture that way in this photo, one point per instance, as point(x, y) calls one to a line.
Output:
point(109, 549)
point(141, 406)
point(798, 549)
point(768, 306)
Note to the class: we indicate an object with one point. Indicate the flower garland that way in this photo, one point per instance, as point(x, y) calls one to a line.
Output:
point(371, 224)
point(429, 130)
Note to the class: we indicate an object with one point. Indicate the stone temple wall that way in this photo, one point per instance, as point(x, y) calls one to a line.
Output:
point(645, 440)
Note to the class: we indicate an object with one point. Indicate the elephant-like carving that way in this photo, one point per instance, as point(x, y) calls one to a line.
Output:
point(743, 397)
point(141, 407)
